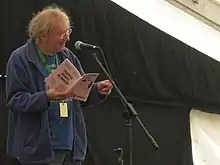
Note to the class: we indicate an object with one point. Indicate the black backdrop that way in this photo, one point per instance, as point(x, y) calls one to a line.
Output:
point(163, 77)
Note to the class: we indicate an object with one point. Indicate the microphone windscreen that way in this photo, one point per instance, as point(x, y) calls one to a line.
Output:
point(77, 44)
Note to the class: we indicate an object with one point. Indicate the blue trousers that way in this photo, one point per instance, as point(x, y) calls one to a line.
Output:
point(64, 157)
point(61, 157)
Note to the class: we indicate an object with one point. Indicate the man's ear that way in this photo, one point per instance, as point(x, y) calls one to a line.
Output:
point(43, 37)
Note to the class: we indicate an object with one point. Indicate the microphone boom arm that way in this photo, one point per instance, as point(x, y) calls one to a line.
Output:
point(128, 105)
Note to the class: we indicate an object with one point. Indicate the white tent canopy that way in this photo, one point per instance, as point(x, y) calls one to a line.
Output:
point(176, 23)
point(205, 134)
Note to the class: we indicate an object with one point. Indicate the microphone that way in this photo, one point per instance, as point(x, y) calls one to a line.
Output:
point(81, 45)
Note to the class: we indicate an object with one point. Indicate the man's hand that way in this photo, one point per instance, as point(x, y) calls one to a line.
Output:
point(52, 94)
point(104, 87)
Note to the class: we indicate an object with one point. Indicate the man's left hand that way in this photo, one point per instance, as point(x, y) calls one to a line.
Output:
point(104, 87)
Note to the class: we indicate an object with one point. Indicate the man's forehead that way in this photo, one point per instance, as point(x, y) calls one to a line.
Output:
point(60, 28)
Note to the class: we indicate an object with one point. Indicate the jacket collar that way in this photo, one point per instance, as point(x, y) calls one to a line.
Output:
point(34, 58)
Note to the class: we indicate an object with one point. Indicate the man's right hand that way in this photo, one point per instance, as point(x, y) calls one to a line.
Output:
point(52, 94)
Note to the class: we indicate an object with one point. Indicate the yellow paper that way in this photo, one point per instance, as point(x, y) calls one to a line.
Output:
point(63, 110)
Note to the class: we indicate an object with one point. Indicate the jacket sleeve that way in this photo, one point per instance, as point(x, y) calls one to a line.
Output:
point(18, 97)
point(94, 96)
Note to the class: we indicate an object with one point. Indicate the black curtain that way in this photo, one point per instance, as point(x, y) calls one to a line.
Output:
point(163, 77)
point(169, 125)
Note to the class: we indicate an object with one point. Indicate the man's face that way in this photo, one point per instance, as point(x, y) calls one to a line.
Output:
point(57, 37)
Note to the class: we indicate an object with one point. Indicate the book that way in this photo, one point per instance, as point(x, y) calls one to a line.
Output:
point(66, 78)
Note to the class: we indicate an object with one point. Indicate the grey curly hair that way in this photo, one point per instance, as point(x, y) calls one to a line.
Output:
point(41, 23)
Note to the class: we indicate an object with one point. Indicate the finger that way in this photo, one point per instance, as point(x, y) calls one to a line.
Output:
point(105, 89)
point(105, 93)
point(106, 85)
point(62, 95)
point(110, 85)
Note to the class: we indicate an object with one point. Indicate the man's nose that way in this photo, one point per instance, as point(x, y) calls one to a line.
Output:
point(66, 37)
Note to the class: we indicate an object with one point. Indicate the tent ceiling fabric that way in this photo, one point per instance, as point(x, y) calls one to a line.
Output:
point(176, 23)
point(208, 9)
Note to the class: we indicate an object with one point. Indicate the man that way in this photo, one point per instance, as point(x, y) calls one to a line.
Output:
point(38, 134)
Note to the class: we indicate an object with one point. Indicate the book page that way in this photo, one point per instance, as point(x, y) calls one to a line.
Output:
point(83, 87)
point(64, 77)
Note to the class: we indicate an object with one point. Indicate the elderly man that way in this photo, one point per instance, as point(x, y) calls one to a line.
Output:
point(38, 134)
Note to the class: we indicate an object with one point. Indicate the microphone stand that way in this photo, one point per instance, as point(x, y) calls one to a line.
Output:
point(119, 151)
point(129, 112)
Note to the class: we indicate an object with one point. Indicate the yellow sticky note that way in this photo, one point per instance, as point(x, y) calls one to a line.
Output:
point(63, 110)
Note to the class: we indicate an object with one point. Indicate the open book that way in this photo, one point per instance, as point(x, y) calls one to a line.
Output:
point(67, 78)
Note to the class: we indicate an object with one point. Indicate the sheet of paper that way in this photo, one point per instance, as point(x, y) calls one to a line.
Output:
point(83, 87)
point(66, 78)
point(63, 77)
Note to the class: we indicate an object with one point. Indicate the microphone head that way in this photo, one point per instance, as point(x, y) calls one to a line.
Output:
point(77, 44)
point(81, 45)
